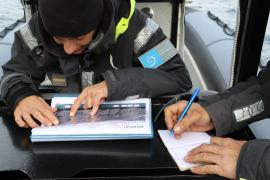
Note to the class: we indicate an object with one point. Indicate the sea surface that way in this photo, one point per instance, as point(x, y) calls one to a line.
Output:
point(11, 10)
point(226, 10)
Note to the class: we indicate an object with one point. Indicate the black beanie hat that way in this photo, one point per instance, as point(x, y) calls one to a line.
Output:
point(70, 18)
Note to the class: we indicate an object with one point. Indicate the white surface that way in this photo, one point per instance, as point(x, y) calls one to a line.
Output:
point(178, 148)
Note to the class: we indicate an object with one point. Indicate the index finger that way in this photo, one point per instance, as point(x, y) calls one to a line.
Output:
point(97, 100)
point(50, 116)
point(77, 104)
point(172, 112)
point(94, 109)
point(186, 123)
point(46, 111)
point(206, 148)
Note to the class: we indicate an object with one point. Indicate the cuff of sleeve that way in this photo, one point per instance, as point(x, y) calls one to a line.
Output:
point(250, 158)
point(112, 84)
point(204, 103)
point(220, 113)
point(121, 84)
point(14, 98)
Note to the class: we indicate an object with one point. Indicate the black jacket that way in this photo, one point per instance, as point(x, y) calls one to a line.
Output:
point(245, 103)
point(35, 54)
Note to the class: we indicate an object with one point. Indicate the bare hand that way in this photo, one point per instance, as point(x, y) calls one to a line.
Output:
point(34, 107)
point(220, 157)
point(91, 96)
point(196, 119)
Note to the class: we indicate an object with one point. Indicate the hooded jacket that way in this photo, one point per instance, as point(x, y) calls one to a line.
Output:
point(35, 54)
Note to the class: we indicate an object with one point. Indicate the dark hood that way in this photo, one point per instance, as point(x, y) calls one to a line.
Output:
point(105, 35)
point(103, 40)
point(73, 19)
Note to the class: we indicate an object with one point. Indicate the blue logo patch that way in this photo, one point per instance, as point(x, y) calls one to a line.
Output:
point(151, 59)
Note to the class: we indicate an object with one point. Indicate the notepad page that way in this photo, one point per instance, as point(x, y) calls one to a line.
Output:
point(178, 148)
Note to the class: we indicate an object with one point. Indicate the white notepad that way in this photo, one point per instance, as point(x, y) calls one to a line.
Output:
point(178, 148)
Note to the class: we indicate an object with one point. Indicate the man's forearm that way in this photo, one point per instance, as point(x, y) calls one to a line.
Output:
point(254, 160)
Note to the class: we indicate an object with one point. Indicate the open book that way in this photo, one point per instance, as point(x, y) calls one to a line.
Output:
point(128, 119)
point(178, 148)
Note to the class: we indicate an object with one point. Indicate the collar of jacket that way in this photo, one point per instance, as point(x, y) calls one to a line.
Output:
point(116, 9)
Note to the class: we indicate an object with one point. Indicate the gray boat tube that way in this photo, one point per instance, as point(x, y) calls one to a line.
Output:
point(6, 42)
point(211, 46)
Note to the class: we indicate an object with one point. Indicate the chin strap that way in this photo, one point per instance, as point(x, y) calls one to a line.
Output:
point(122, 25)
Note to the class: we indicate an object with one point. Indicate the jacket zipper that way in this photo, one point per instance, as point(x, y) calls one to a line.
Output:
point(237, 28)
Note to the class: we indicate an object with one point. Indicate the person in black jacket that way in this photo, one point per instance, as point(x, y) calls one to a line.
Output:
point(96, 47)
point(245, 103)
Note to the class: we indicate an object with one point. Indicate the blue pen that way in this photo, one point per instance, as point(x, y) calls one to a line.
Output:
point(194, 95)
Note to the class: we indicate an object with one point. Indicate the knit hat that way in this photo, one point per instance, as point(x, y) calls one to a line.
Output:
point(70, 18)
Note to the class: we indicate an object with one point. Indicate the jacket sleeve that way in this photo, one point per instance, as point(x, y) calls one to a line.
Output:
point(254, 161)
point(240, 105)
point(170, 78)
point(21, 74)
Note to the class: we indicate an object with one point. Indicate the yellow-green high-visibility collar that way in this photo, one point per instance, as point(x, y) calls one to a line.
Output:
point(122, 25)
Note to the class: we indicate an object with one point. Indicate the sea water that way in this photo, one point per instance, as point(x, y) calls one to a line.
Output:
point(11, 10)
point(226, 10)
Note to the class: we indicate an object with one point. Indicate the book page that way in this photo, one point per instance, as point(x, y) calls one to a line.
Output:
point(116, 120)
point(178, 148)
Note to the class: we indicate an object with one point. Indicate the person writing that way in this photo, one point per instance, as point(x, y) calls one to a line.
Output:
point(245, 103)
point(92, 47)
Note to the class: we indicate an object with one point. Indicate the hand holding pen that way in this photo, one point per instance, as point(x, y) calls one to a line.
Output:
point(187, 116)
